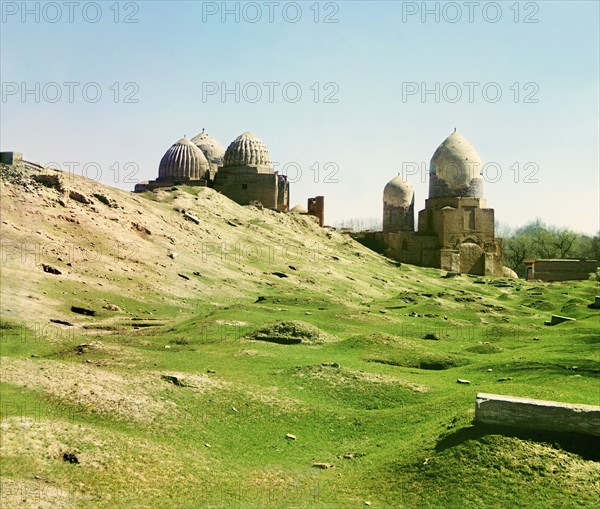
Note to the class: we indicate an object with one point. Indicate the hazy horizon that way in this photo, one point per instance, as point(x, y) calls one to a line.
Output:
point(346, 95)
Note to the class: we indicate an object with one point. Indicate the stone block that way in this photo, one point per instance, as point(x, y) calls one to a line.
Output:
point(556, 319)
point(537, 414)
point(11, 157)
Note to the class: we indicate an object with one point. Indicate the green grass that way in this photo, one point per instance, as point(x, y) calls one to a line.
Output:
point(377, 391)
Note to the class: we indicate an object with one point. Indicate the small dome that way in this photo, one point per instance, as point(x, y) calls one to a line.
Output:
point(299, 209)
point(211, 148)
point(398, 193)
point(248, 150)
point(183, 160)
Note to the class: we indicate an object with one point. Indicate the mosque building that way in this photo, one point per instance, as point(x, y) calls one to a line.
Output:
point(456, 228)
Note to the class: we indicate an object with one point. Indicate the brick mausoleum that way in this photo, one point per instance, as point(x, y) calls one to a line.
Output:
point(244, 173)
point(455, 229)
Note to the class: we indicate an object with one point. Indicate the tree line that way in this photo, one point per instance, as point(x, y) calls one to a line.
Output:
point(539, 240)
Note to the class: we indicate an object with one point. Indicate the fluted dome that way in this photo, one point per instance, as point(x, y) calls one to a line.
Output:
point(398, 193)
point(211, 148)
point(455, 169)
point(248, 150)
point(183, 160)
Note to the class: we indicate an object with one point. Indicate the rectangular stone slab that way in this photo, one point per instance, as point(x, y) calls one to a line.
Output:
point(537, 414)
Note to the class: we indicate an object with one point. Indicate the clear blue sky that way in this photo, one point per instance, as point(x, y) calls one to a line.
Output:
point(376, 50)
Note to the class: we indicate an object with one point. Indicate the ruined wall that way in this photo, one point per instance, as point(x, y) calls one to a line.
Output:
point(283, 193)
point(562, 270)
point(316, 207)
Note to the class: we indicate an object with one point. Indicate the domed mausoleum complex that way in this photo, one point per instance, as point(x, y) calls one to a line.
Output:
point(456, 229)
point(244, 172)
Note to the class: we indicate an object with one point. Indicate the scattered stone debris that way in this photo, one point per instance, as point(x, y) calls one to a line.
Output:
point(173, 379)
point(183, 276)
point(292, 267)
point(502, 284)
point(556, 319)
point(461, 381)
point(13, 174)
point(86, 347)
point(331, 364)
point(279, 274)
point(61, 322)
point(233, 409)
point(289, 436)
point(432, 336)
point(107, 201)
point(51, 181)
point(349, 456)
point(70, 457)
point(74, 195)
point(83, 311)
point(536, 338)
point(111, 307)
point(323, 466)
point(207, 445)
point(292, 332)
point(196, 273)
point(210, 371)
point(466, 299)
point(451, 274)
point(191, 217)
point(141, 228)
point(260, 299)
point(50, 269)
point(505, 379)
point(172, 255)
point(595, 304)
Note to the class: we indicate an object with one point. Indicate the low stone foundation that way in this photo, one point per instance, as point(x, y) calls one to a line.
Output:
point(537, 414)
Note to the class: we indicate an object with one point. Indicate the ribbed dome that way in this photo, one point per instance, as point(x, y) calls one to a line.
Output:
point(398, 193)
point(455, 168)
point(248, 150)
point(183, 160)
point(211, 148)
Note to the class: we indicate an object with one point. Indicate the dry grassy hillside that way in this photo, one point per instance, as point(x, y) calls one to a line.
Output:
point(143, 248)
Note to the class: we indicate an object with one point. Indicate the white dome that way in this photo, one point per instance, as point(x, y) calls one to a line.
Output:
point(398, 193)
point(456, 162)
point(211, 148)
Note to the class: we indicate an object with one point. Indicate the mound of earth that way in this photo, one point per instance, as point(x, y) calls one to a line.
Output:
point(290, 333)
point(485, 348)
point(388, 349)
point(503, 461)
